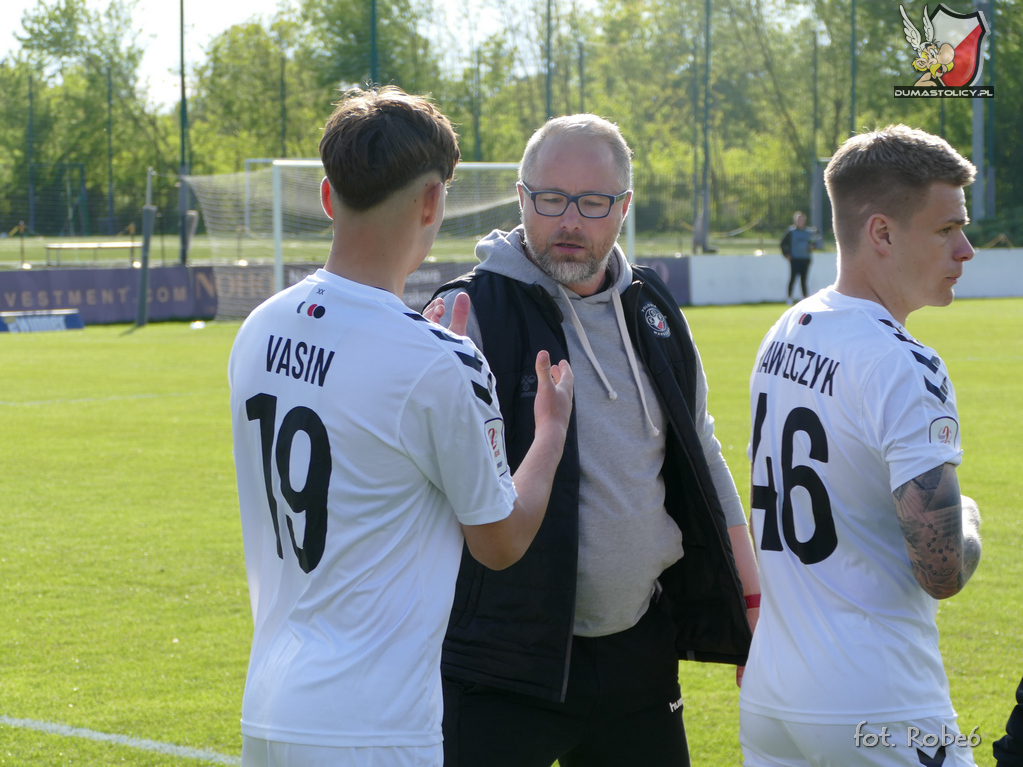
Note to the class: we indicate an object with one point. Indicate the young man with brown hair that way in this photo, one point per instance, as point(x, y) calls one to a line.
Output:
point(368, 444)
point(856, 513)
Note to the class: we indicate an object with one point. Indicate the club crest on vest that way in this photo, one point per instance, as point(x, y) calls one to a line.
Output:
point(656, 320)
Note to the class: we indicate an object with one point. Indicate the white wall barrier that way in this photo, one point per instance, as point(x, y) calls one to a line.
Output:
point(993, 274)
point(694, 280)
point(763, 279)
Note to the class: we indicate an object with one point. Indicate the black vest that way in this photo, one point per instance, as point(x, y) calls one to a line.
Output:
point(512, 629)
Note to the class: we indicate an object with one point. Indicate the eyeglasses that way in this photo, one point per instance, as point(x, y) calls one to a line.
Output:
point(590, 205)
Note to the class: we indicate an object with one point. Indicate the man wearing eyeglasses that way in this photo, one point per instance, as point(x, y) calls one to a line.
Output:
point(572, 653)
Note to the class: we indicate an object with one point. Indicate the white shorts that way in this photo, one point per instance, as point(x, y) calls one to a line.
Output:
point(267, 753)
point(769, 742)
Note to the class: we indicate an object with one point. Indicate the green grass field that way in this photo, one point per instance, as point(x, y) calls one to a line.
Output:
point(121, 572)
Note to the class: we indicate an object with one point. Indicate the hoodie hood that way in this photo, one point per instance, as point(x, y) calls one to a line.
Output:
point(504, 254)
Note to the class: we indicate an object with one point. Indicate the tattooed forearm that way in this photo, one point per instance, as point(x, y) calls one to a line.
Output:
point(924, 485)
point(934, 539)
point(930, 512)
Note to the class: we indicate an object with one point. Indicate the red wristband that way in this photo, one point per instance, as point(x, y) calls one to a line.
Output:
point(752, 601)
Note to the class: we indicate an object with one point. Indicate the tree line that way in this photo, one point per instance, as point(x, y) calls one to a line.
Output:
point(774, 91)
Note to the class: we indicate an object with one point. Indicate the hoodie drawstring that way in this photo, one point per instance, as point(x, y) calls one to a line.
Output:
point(623, 330)
point(611, 393)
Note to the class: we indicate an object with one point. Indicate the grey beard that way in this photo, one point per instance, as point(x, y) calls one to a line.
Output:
point(567, 272)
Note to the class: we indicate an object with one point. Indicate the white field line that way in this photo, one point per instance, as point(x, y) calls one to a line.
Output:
point(121, 740)
point(116, 398)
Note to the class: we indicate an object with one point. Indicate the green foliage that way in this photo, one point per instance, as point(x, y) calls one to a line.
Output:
point(267, 85)
point(1004, 230)
point(339, 44)
point(254, 97)
point(77, 74)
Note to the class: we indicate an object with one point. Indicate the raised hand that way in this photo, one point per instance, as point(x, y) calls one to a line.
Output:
point(554, 391)
point(435, 310)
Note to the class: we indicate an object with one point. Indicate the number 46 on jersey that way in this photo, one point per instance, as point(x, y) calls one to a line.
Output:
point(824, 540)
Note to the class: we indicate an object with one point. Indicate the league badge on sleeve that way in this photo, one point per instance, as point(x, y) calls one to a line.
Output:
point(945, 430)
point(495, 436)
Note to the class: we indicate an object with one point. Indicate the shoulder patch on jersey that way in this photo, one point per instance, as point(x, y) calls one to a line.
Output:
point(495, 435)
point(655, 320)
point(314, 310)
point(945, 430)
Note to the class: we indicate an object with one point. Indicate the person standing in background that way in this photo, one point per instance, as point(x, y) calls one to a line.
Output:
point(797, 245)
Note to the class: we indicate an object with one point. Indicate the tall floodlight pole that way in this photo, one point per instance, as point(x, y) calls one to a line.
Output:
point(477, 96)
point(695, 101)
point(990, 186)
point(978, 209)
point(816, 120)
point(705, 185)
point(582, 78)
point(374, 63)
point(816, 172)
point(110, 151)
point(31, 164)
point(550, 112)
point(852, 73)
point(183, 170)
point(284, 107)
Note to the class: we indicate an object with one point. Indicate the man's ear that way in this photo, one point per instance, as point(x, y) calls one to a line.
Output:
point(879, 233)
point(431, 208)
point(626, 204)
point(328, 208)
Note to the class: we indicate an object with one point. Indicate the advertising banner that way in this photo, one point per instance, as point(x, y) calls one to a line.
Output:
point(108, 296)
point(674, 272)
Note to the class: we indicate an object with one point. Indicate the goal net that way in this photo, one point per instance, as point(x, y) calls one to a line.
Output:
point(271, 212)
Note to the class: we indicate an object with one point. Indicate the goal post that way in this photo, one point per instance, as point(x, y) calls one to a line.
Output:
point(473, 196)
point(278, 212)
point(272, 214)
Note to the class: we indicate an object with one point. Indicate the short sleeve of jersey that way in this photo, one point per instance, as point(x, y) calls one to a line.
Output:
point(918, 426)
point(452, 428)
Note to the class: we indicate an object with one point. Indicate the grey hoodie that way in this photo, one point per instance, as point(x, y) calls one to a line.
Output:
point(626, 538)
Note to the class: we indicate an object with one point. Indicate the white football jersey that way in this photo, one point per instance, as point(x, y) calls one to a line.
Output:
point(846, 407)
point(363, 436)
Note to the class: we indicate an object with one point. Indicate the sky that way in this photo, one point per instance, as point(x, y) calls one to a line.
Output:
point(159, 22)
